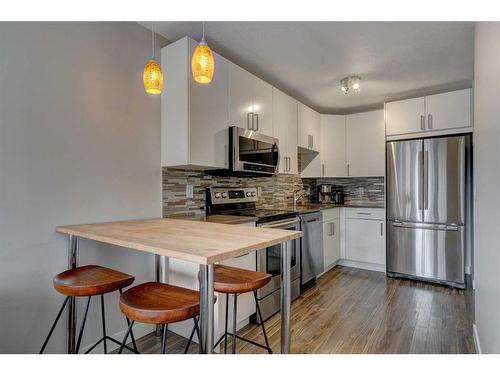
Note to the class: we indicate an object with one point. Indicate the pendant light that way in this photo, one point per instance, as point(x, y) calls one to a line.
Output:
point(152, 76)
point(202, 62)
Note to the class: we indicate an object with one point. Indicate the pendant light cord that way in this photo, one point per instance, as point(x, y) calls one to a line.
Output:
point(203, 36)
point(152, 43)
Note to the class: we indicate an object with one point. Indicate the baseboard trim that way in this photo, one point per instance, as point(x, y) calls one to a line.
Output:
point(477, 343)
point(362, 265)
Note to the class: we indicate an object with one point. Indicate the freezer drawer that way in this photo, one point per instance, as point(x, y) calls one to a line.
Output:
point(426, 251)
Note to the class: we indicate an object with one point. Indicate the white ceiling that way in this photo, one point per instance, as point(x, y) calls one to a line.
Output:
point(307, 59)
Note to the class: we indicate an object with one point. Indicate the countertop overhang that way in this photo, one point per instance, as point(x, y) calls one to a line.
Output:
point(194, 241)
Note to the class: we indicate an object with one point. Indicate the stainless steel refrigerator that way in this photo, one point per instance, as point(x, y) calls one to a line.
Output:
point(426, 203)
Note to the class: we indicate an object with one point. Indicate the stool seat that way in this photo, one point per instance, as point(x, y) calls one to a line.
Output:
point(159, 303)
point(237, 280)
point(91, 280)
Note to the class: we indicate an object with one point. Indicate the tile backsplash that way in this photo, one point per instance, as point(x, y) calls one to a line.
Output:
point(276, 191)
point(367, 191)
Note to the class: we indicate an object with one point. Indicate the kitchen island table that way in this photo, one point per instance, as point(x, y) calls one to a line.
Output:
point(204, 243)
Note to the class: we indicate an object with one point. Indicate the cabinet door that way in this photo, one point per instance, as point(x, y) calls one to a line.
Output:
point(240, 96)
point(310, 164)
point(285, 129)
point(449, 110)
point(331, 242)
point(332, 149)
point(405, 116)
point(309, 128)
point(365, 142)
point(262, 107)
point(364, 241)
point(208, 117)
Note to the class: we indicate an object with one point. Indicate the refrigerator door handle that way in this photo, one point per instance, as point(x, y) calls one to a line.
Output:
point(407, 225)
point(420, 162)
point(426, 179)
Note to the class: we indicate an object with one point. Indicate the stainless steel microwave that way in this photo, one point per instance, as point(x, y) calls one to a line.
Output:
point(251, 152)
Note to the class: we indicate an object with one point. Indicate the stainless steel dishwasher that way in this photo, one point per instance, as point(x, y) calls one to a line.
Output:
point(312, 246)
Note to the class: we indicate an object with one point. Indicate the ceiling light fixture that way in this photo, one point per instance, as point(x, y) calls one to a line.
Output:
point(350, 83)
point(202, 62)
point(152, 76)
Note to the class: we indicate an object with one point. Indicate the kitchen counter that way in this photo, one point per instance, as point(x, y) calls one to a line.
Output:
point(311, 207)
point(220, 219)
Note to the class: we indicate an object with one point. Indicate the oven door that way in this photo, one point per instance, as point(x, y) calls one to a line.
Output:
point(269, 259)
point(253, 152)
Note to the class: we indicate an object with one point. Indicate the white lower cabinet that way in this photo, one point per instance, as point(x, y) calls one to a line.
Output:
point(365, 240)
point(331, 242)
point(354, 237)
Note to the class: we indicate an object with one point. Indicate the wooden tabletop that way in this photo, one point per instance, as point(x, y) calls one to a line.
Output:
point(193, 241)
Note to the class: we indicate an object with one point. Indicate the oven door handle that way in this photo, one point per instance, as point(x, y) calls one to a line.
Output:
point(281, 223)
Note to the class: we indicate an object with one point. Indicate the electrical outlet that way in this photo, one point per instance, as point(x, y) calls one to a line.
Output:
point(189, 191)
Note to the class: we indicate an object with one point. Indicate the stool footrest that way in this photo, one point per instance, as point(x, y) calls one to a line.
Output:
point(243, 339)
point(115, 341)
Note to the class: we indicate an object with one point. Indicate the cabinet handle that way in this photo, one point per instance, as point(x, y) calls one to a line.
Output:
point(429, 121)
point(312, 141)
point(249, 114)
point(382, 229)
point(322, 170)
point(333, 229)
point(289, 164)
point(364, 213)
point(422, 122)
point(256, 116)
point(347, 169)
point(226, 156)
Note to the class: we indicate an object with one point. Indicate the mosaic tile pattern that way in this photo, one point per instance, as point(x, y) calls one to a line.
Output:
point(276, 191)
point(367, 191)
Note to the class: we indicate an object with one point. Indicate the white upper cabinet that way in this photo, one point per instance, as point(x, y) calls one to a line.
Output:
point(309, 128)
point(262, 106)
point(250, 101)
point(365, 142)
point(194, 117)
point(285, 129)
point(333, 146)
point(405, 116)
point(441, 112)
point(449, 110)
point(240, 97)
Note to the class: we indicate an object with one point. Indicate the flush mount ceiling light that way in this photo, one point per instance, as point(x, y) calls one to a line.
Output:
point(202, 62)
point(152, 76)
point(350, 83)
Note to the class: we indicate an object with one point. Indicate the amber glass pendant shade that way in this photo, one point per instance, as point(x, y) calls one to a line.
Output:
point(153, 78)
point(202, 63)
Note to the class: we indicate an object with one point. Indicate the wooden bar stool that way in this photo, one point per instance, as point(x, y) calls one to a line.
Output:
point(159, 303)
point(232, 280)
point(89, 281)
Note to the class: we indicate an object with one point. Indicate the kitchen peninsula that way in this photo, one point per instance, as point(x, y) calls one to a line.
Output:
point(203, 243)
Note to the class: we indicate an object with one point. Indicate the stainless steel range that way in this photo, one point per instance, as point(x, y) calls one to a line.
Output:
point(241, 201)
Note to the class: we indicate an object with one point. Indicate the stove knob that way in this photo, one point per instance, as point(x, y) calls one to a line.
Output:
point(248, 194)
point(217, 195)
point(223, 195)
point(253, 193)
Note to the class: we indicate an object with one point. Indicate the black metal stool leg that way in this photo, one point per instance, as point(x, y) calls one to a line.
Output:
point(235, 306)
point(82, 327)
point(129, 329)
point(131, 332)
point(103, 325)
point(227, 317)
point(54, 325)
point(195, 329)
point(164, 332)
point(262, 322)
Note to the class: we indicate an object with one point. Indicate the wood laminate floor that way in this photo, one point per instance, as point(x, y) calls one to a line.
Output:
point(356, 311)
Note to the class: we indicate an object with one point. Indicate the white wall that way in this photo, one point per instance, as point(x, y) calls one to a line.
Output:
point(79, 142)
point(487, 181)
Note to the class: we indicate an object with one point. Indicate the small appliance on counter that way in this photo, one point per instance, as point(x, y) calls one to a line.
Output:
point(325, 193)
point(338, 197)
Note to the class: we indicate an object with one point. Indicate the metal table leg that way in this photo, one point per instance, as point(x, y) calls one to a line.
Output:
point(161, 276)
point(285, 296)
point(207, 308)
point(71, 322)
